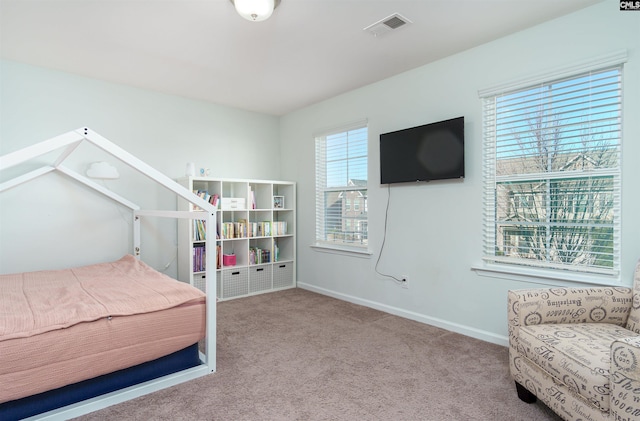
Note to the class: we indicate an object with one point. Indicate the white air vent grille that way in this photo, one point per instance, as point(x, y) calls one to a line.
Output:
point(387, 24)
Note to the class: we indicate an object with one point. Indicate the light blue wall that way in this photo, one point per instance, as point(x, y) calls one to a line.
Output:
point(434, 230)
point(51, 223)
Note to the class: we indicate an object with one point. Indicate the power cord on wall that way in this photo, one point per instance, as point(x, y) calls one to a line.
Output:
point(400, 281)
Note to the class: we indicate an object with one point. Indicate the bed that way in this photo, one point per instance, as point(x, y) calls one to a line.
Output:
point(76, 340)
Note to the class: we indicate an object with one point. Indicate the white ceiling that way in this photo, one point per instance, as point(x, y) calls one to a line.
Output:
point(309, 50)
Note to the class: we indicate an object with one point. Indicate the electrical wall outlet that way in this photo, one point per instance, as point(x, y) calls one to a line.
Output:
point(404, 281)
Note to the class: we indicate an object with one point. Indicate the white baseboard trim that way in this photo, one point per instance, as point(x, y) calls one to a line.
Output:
point(433, 321)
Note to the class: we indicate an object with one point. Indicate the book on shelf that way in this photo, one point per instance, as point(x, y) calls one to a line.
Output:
point(199, 230)
point(234, 229)
point(213, 199)
point(259, 256)
point(228, 230)
point(241, 228)
point(252, 198)
point(252, 229)
point(199, 258)
point(264, 229)
point(279, 227)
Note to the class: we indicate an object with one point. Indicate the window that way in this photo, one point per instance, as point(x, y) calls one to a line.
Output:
point(341, 179)
point(552, 173)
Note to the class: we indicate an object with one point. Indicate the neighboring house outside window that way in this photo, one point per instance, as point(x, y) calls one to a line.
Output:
point(341, 188)
point(552, 173)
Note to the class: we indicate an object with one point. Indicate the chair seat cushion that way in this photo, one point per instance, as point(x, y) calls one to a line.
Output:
point(576, 354)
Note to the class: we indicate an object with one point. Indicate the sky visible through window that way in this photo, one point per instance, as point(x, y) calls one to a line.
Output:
point(346, 157)
point(569, 115)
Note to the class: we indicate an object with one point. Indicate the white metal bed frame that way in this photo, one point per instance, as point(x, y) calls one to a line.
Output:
point(68, 142)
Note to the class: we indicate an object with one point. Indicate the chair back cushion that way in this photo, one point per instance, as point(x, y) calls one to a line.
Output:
point(633, 322)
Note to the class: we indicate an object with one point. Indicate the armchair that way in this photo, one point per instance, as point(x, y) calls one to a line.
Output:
point(578, 350)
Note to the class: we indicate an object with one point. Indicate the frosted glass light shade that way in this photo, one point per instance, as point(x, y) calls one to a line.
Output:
point(254, 10)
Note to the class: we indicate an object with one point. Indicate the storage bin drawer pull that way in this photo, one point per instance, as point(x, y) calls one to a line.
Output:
point(235, 273)
point(259, 269)
point(283, 266)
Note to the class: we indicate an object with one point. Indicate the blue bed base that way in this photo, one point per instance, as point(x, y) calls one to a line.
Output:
point(57, 398)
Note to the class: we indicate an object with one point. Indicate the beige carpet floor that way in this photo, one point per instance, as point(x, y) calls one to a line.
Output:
point(298, 355)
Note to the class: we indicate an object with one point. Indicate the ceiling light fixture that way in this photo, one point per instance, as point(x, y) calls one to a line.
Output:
point(255, 10)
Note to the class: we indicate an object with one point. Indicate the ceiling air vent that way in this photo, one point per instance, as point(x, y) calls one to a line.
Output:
point(387, 24)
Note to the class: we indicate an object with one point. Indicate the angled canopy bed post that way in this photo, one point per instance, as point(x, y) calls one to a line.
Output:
point(209, 356)
point(148, 383)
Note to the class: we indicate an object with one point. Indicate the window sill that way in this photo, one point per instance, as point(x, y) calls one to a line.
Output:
point(544, 277)
point(347, 251)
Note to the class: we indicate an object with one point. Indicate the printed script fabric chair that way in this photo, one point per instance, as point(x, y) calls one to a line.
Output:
point(578, 350)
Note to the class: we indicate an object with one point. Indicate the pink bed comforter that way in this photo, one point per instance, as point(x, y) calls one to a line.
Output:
point(62, 298)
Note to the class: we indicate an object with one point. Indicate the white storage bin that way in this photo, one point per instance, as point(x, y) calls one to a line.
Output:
point(235, 283)
point(282, 275)
point(231, 203)
point(200, 282)
point(259, 278)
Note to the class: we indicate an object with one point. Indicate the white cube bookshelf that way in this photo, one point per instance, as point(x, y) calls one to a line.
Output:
point(255, 223)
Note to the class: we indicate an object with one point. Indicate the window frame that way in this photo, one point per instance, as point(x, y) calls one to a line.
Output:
point(321, 241)
point(495, 266)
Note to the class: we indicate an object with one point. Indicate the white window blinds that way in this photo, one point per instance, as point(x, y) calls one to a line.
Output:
point(552, 173)
point(341, 187)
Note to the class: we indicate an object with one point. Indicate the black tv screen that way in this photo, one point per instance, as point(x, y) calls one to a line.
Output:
point(430, 152)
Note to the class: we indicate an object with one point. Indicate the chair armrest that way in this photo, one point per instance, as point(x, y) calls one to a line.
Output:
point(625, 379)
point(570, 305)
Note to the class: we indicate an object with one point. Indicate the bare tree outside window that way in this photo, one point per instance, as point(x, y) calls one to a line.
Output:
point(555, 162)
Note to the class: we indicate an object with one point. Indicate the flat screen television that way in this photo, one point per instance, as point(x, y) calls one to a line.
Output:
point(430, 152)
